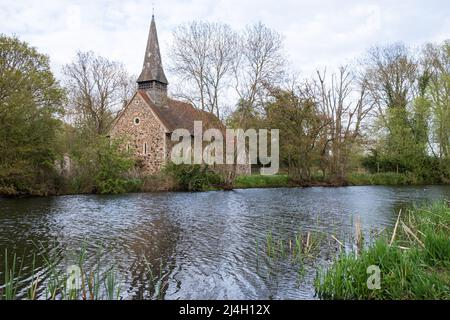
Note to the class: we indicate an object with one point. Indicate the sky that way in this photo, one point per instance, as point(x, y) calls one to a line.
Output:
point(316, 33)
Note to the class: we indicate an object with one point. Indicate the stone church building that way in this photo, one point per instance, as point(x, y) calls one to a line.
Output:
point(150, 117)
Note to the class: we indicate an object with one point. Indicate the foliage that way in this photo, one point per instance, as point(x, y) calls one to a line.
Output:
point(437, 61)
point(193, 177)
point(259, 181)
point(113, 163)
point(101, 167)
point(416, 265)
point(30, 105)
point(97, 89)
point(301, 128)
point(413, 100)
point(392, 115)
point(384, 178)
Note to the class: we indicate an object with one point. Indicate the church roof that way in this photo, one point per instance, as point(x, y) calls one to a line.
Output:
point(181, 115)
point(152, 69)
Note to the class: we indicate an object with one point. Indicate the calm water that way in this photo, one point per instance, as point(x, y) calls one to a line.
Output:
point(206, 242)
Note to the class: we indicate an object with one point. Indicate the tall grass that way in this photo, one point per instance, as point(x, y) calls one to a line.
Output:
point(11, 275)
point(414, 261)
point(260, 181)
point(384, 178)
point(50, 280)
point(157, 284)
point(299, 246)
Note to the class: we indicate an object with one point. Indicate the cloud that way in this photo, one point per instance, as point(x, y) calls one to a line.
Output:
point(317, 33)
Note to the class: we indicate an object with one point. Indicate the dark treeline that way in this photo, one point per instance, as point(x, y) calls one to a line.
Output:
point(387, 113)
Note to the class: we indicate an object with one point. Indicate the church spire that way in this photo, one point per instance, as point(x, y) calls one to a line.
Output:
point(152, 77)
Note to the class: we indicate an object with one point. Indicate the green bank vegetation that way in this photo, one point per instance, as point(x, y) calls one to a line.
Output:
point(387, 117)
point(259, 181)
point(414, 261)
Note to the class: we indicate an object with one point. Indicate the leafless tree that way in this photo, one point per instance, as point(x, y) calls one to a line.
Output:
point(98, 89)
point(343, 100)
point(203, 54)
point(260, 63)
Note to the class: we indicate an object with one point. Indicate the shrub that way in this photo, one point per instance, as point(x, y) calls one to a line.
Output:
point(193, 177)
point(113, 164)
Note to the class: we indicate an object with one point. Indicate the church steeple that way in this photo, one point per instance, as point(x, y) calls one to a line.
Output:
point(152, 77)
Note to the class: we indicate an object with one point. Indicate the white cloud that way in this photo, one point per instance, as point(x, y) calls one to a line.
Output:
point(317, 33)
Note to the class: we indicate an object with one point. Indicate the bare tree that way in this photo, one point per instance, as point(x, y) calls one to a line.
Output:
point(203, 54)
point(98, 89)
point(342, 99)
point(259, 64)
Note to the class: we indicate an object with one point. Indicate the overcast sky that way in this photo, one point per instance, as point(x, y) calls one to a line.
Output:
point(317, 33)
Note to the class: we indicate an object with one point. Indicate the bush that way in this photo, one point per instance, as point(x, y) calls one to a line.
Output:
point(100, 166)
point(113, 165)
point(29, 117)
point(193, 177)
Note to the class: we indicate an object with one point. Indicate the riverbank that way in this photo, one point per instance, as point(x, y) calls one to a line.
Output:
point(165, 183)
point(353, 179)
point(413, 260)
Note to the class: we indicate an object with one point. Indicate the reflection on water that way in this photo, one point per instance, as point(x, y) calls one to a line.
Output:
point(206, 241)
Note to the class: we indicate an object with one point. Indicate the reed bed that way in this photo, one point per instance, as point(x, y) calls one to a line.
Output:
point(414, 260)
point(97, 282)
point(296, 250)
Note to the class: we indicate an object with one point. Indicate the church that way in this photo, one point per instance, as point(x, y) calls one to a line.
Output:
point(148, 120)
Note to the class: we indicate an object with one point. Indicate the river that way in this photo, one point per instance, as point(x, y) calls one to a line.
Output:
point(205, 243)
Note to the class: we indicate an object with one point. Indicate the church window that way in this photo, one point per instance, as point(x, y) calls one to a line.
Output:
point(137, 121)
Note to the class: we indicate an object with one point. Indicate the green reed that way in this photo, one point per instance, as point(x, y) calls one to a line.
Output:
point(414, 261)
point(11, 277)
point(157, 284)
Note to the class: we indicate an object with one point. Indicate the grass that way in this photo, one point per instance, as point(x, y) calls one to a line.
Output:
point(55, 284)
point(260, 181)
point(385, 178)
point(301, 245)
point(355, 179)
point(157, 284)
point(414, 261)
point(11, 276)
point(296, 250)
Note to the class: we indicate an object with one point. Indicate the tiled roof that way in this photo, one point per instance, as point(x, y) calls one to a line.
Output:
point(181, 115)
